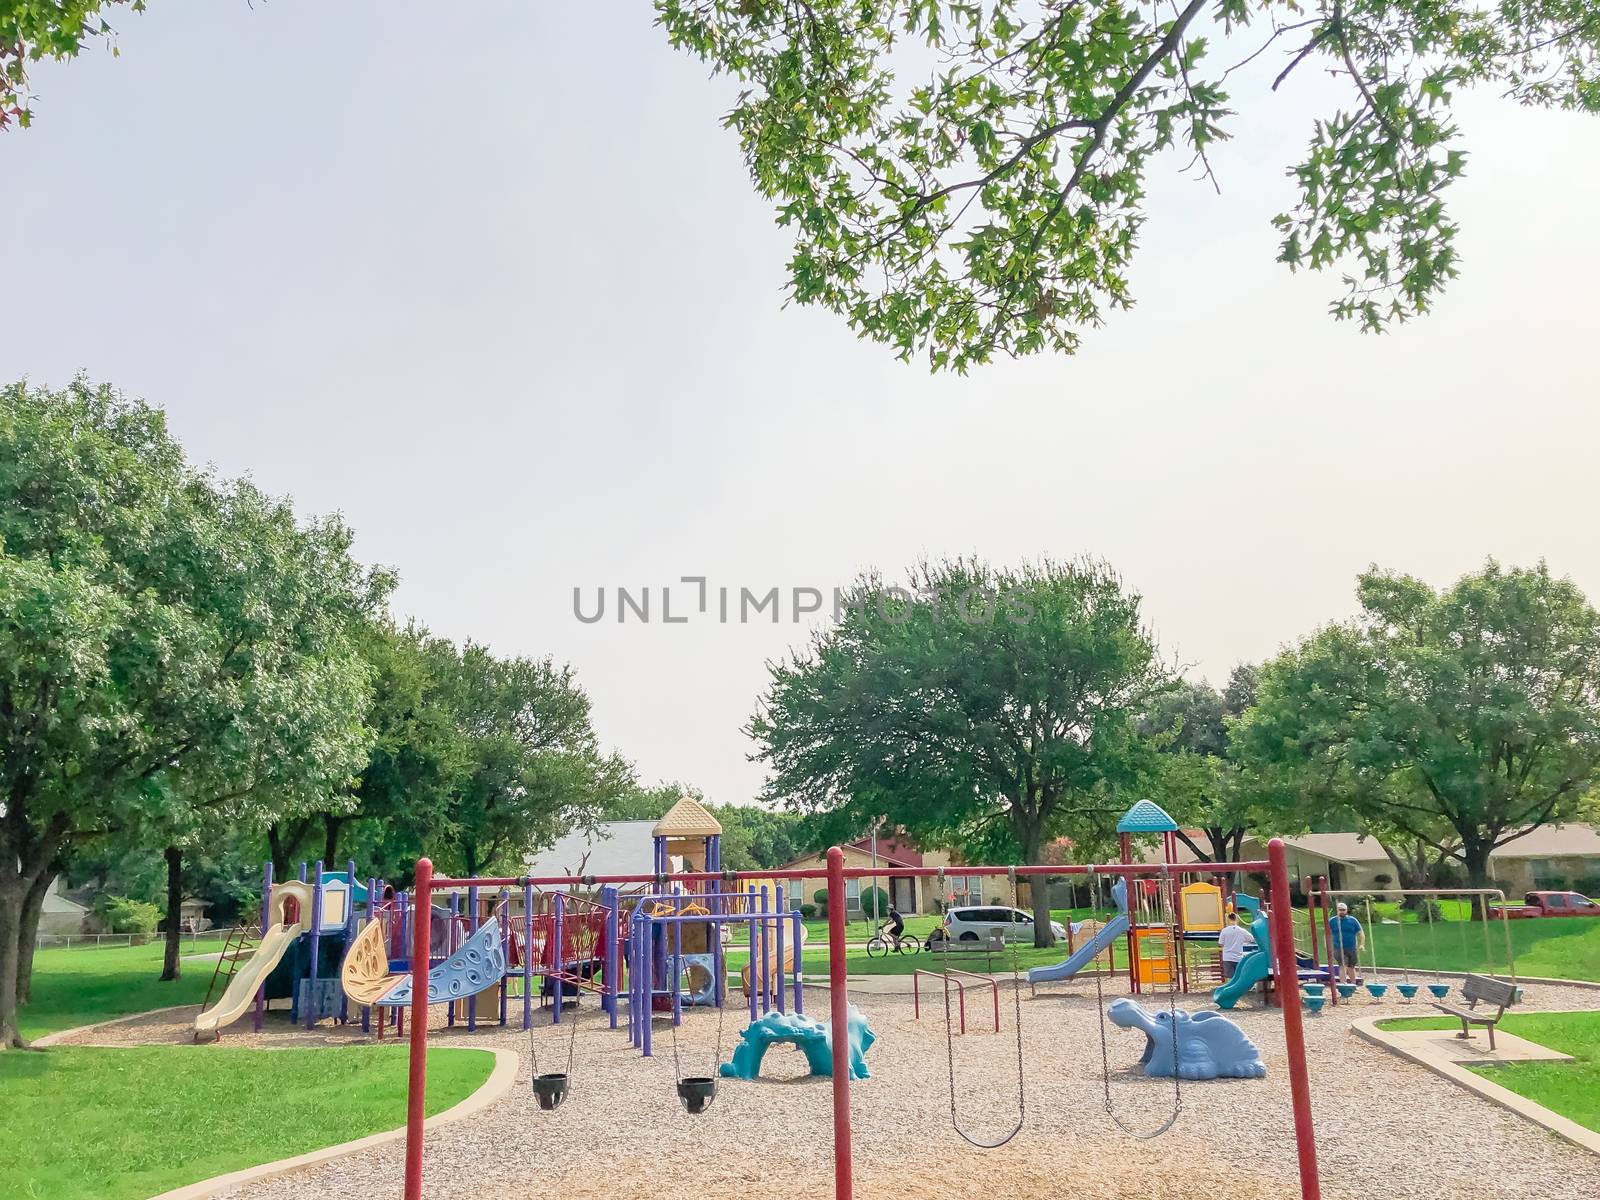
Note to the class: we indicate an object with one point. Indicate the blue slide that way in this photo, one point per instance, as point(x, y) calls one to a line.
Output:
point(1086, 954)
point(1252, 969)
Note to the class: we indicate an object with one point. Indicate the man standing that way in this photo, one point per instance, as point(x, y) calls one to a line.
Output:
point(1235, 940)
point(1345, 940)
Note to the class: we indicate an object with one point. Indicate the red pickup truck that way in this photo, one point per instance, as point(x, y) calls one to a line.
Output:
point(1550, 904)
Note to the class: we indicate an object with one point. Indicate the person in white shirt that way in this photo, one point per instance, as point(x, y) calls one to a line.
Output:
point(1235, 940)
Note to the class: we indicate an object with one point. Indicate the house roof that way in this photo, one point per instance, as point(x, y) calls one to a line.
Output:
point(895, 848)
point(1347, 848)
point(820, 856)
point(688, 818)
point(1548, 841)
point(1554, 841)
point(611, 848)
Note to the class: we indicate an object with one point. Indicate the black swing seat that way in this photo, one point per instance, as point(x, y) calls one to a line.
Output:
point(1485, 989)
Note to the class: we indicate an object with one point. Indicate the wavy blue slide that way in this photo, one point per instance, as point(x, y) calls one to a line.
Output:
point(1086, 953)
point(1252, 969)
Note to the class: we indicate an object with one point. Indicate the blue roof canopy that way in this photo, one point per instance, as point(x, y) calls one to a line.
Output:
point(1146, 817)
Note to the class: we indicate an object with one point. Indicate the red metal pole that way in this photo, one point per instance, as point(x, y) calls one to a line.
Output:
point(1125, 852)
point(839, 1002)
point(417, 1090)
point(1294, 1034)
point(1333, 990)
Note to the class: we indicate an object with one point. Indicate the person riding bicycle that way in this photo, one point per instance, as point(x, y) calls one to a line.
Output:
point(896, 925)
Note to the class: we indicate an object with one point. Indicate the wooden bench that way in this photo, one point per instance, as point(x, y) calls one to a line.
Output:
point(1488, 990)
point(989, 947)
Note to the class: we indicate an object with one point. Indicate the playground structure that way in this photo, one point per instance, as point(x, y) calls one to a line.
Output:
point(334, 947)
point(1167, 930)
point(712, 889)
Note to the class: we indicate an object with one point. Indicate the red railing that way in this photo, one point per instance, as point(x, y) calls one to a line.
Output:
point(947, 977)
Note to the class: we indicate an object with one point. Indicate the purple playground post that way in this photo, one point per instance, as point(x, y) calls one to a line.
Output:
point(316, 948)
point(766, 990)
point(372, 892)
point(778, 930)
point(472, 927)
point(755, 948)
point(403, 916)
point(674, 978)
point(649, 988)
point(608, 898)
point(266, 915)
point(503, 908)
point(450, 948)
point(799, 991)
point(557, 959)
point(349, 930)
point(527, 956)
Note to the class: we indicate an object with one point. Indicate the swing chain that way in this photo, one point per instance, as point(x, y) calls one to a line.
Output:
point(572, 1037)
point(1172, 1021)
point(949, 1036)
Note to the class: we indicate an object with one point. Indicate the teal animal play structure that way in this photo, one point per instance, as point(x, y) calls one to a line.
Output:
point(811, 1037)
point(1208, 1045)
point(1252, 968)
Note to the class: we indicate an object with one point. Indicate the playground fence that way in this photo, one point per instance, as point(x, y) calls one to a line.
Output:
point(97, 941)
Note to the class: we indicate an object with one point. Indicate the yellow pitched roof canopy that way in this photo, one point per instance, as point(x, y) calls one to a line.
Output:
point(687, 818)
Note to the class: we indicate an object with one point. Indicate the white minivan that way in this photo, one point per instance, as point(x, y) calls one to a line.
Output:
point(972, 923)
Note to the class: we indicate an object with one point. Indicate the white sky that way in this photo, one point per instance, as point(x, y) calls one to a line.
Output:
point(490, 280)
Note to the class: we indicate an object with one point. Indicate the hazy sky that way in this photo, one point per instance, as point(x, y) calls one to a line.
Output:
point(489, 279)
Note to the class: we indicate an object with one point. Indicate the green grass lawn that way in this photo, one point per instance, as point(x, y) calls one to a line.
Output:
point(79, 987)
point(84, 1123)
point(1570, 1088)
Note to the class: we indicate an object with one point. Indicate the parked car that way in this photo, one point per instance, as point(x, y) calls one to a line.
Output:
point(1550, 904)
point(971, 923)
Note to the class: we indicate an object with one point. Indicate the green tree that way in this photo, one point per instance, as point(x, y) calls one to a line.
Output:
point(1463, 718)
point(995, 710)
point(965, 180)
point(1206, 780)
point(533, 768)
point(174, 649)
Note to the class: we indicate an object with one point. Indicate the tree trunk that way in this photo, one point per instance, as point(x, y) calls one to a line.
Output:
point(1475, 857)
point(12, 892)
point(331, 826)
point(1039, 888)
point(28, 932)
point(169, 961)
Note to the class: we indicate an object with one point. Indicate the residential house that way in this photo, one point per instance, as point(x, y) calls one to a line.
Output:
point(610, 848)
point(1558, 857)
point(895, 857)
point(60, 915)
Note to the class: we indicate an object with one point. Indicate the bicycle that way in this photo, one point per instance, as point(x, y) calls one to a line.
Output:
point(884, 943)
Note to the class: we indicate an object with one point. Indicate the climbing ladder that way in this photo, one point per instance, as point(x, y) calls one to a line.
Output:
point(235, 950)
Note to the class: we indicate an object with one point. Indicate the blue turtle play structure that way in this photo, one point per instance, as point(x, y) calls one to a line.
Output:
point(811, 1037)
point(1208, 1045)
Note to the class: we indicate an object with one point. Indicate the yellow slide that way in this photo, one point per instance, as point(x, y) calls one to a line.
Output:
point(241, 991)
point(789, 957)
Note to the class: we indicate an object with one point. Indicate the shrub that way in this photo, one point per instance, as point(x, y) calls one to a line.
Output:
point(820, 896)
point(867, 895)
point(120, 915)
point(808, 911)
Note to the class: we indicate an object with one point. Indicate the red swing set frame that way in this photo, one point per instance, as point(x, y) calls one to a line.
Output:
point(836, 873)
